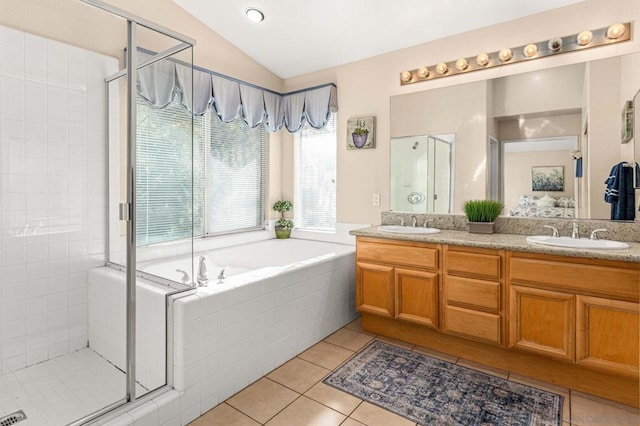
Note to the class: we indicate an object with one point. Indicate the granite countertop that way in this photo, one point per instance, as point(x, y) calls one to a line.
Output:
point(502, 242)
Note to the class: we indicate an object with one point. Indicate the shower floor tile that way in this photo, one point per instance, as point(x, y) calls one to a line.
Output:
point(61, 390)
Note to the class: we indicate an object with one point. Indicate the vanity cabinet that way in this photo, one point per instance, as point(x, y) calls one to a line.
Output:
point(570, 320)
point(578, 310)
point(473, 293)
point(398, 280)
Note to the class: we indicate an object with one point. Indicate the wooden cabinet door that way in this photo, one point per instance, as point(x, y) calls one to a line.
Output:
point(374, 289)
point(416, 296)
point(542, 321)
point(607, 335)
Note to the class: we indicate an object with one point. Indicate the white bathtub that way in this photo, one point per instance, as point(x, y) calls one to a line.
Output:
point(286, 296)
point(261, 259)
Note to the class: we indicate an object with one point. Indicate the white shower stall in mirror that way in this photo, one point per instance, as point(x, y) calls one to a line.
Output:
point(421, 173)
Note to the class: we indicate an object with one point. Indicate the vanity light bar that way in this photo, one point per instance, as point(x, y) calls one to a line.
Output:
point(587, 39)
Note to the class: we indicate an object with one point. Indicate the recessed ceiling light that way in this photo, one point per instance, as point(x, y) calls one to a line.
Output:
point(254, 15)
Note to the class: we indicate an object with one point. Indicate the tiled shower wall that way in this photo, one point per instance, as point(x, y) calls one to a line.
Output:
point(53, 201)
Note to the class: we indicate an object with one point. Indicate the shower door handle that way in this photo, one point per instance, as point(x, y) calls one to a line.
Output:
point(125, 211)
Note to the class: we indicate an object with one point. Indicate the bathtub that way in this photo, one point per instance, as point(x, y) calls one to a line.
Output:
point(278, 298)
point(260, 259)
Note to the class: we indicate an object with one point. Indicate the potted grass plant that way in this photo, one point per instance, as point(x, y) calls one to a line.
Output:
point(283, 225)
point(481, 215)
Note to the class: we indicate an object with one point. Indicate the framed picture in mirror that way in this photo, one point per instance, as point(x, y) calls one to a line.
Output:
point(547, 178)
point(627, 121)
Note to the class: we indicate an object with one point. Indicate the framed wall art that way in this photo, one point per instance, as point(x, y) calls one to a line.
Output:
point(547, 178)
point(361, 133)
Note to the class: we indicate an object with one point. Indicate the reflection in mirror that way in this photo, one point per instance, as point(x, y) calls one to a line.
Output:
point(583, 101)
point(421, 173)
point(538, 177)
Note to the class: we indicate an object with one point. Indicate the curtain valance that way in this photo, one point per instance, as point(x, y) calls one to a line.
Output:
point(229, 98)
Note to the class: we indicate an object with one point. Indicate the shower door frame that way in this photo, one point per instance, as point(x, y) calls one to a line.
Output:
point(128, 209)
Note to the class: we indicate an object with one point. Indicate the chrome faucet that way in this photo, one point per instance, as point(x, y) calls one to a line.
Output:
point(554, 229)
point(203, 275)
point(401, 221)
point(414, 221)
point(574, 231)
point(594, 233)
point(425, 224)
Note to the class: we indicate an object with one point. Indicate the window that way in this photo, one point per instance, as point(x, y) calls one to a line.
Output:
point(315, 177)
point(237, 172)
point(228, 163)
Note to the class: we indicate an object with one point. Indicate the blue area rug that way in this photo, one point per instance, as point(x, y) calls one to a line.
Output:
point(429, 391)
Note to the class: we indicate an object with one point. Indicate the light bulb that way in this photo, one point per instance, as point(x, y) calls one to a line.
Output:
point(555, 44)
point(462, 64)
point(423, 72)
point(584, 38)
point(405, 76)
point(616, 31)
point(505, 55)
point(254, 15)
point(530, 50)
point(442, 68)
point(482, 59)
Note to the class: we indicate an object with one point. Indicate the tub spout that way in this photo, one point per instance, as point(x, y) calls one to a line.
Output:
point(203, 275)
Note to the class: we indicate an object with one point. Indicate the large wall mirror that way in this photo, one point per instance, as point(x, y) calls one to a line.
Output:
point(543, 142)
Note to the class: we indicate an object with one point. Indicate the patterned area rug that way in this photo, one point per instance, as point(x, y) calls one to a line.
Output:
point(429, 391)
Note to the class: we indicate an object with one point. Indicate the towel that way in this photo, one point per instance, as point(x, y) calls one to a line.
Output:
point(620, 191)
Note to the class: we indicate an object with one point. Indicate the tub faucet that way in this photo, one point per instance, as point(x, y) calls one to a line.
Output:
point(414, 221)
point(203, 275)
point(574, 231)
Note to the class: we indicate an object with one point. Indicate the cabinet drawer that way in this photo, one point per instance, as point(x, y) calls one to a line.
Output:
point(396, 254)
point(474, 324)
point(469, 291)
point(582, 278)
point(482, 265)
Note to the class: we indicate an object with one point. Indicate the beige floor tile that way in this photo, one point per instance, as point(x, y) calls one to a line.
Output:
point(355, 325)
point(333, 398)
point(350, 422)
point(305, 411)
point(326, 355)
point(566, 397)
point(587, 410)
point(349, 339)
point(262, 400)
point(223, 415)
point(435, 354)
point(485, 369)
point(399, 343)
point(298, 374)
point(372, 415)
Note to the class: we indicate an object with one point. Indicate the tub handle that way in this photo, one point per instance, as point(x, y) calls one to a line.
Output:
point(221, 275)
point(185, 276)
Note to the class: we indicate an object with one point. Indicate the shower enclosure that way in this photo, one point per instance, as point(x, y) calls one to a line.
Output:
point(70, 116)
point(421, 173)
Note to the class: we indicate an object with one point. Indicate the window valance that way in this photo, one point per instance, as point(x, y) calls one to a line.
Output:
point(229, 98)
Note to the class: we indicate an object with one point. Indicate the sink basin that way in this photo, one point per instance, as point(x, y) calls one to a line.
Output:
point(577, 243)
point(397, 229)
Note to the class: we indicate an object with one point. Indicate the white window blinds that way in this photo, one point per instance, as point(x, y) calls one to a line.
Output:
point(237, 173)
point(164, 174)
point(315, 177)
point(229, 166)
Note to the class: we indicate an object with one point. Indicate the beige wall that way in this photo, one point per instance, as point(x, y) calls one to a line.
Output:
point(540, 127)
point(365, 87)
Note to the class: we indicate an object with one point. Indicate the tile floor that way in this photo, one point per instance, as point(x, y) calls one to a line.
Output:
point(293, 394)
point(63, 389)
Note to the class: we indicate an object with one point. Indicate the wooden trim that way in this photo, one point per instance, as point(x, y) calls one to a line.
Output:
point(617, 388)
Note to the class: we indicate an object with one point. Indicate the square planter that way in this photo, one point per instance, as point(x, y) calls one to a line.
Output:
point(481, 227)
